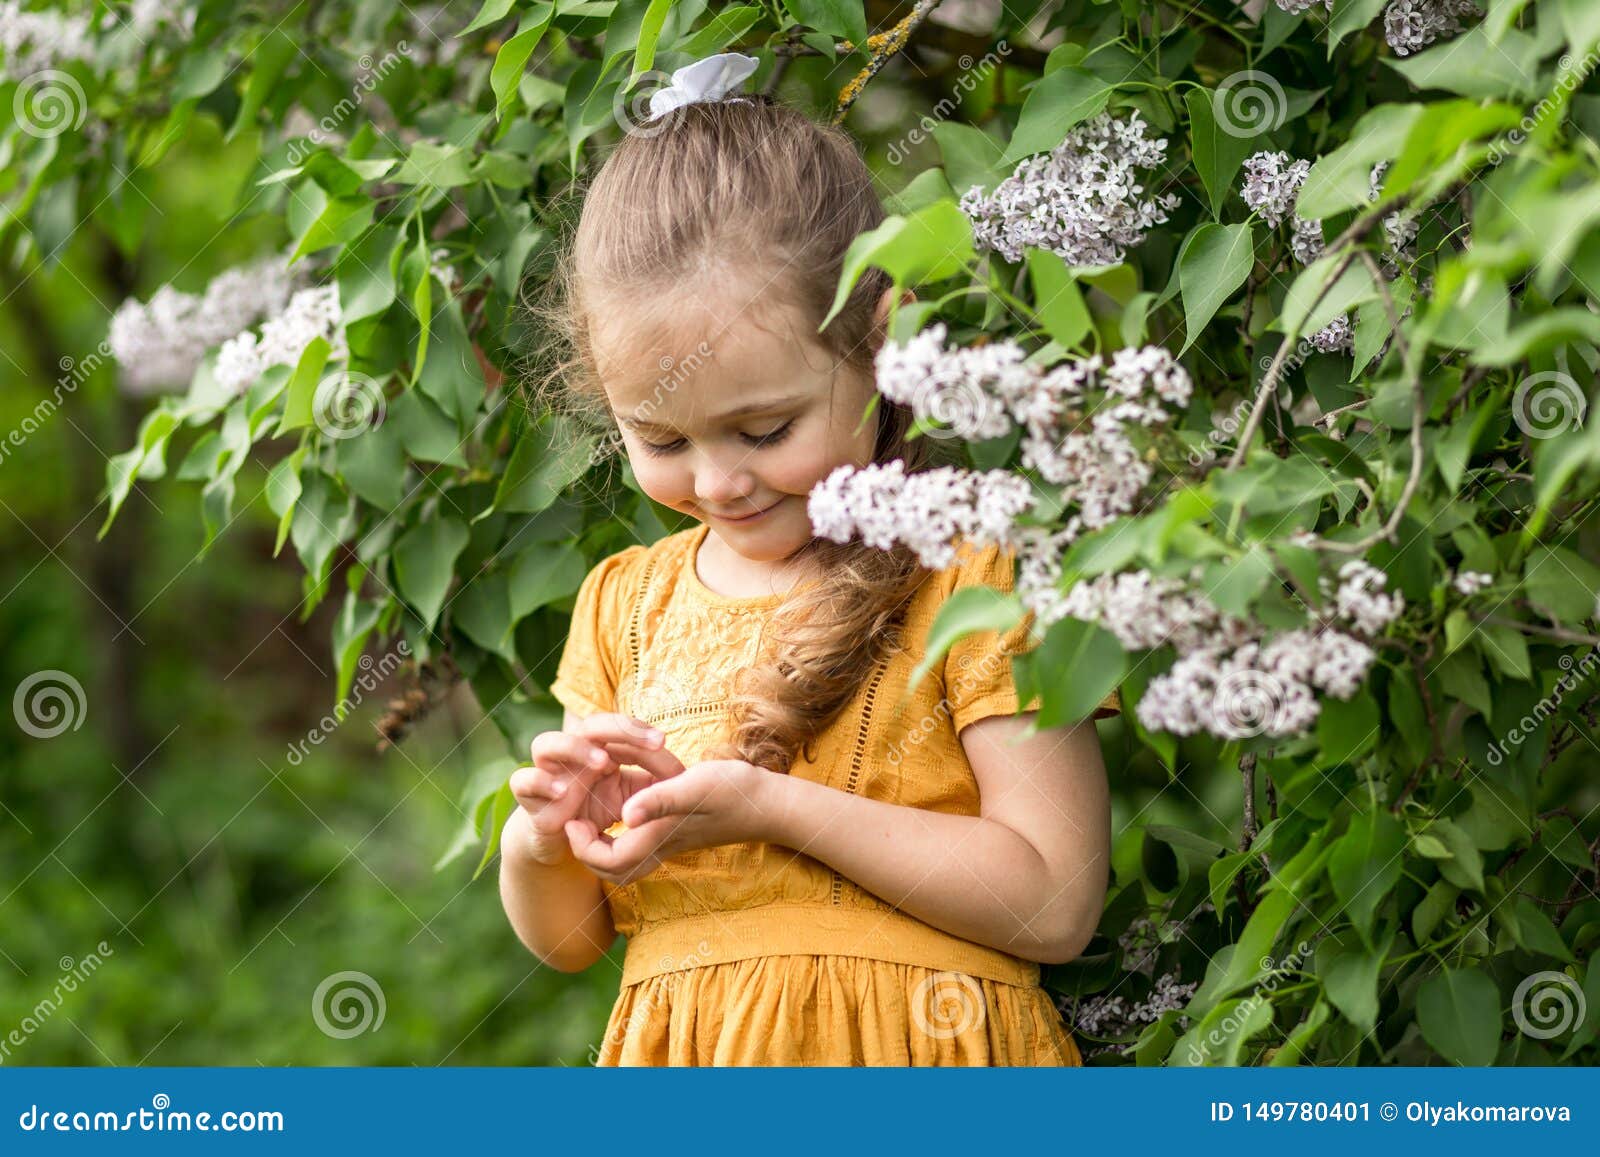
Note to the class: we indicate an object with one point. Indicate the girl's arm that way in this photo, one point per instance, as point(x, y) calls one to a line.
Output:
point(557, 910)
point(1027, 876)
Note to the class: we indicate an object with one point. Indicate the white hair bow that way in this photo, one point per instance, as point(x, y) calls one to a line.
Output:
point(708, 79)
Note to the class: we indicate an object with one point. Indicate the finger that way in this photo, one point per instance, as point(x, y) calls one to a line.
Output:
point(617, 858)
point(655, 802)
point(633, 741)
point(565, 754)
point(551, 815)
point(535, 785)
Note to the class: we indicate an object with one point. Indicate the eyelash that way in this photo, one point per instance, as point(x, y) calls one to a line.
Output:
point(760, 441)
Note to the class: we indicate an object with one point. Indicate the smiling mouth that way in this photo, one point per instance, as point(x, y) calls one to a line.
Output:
point(744, 518)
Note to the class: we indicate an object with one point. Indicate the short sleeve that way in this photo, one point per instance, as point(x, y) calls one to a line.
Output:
point(591, 662)
point(979, 681)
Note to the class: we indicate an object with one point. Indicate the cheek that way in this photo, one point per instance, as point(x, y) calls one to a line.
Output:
point(658, 478)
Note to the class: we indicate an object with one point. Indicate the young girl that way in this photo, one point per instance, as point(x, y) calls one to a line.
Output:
point(813, 862)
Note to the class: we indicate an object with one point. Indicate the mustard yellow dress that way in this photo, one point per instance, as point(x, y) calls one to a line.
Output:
point(754, 953)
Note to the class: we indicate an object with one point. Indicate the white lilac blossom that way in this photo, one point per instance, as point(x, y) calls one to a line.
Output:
point(963, 388)
point(1145, 612)
point(1306, 241)
point(929, 511)
point(1295, 7)
point(1075, 416)
point(1399, 228)
point(1360, 599)
point(1082, 200)
point(145, 17)
point(310, 314)
point(1232, 678)
point(1272, 188)
point(1411, 25)
point(1337, 335)
point(1115, 1016)
point(32, 41)
point(1470, 582)
point(159, 343)
point(1272, 184)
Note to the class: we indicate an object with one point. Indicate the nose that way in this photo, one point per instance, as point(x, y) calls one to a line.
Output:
point(721, 487)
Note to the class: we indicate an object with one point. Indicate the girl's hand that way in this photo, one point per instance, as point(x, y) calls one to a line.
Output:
point(581, 774)
point(721, 801)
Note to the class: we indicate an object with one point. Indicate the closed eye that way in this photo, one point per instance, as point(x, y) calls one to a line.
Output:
point(772, 438)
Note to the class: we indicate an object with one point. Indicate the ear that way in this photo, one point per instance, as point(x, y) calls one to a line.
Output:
point(880, 313)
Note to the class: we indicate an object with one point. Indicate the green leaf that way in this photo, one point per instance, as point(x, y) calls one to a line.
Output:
point(1459, 1014)
point(965, 612)
point(1346, 728)
point(424, 563)
point(725, 27)
point(355, 622)
point(492, 12)
point(365, 272)
point(283, 492)
point(1560, 583)
point(1350, 16)
point(1054, 105)
point(545, 461)
point(1366, 864)
point(840, 19)
point(1473, 65)
point(1251, 956)
point(1216, 261)
point(1220, 1037)
point(438, 166)
point(1057, 299)
point(971, 157)
point(512, 59)
point(1082, 663)
point(1342, 179)
point(644, 56)
point(1349, 974)
point(481, 610)
point(544, 573)
point(1304, 314)
point(298, 409)
point(268, 59)
point(1218, 154)
point(933, 243)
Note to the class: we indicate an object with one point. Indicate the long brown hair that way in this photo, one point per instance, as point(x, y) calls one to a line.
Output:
point(753, 184)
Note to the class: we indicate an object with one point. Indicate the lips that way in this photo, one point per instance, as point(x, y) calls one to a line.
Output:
point(745, 517)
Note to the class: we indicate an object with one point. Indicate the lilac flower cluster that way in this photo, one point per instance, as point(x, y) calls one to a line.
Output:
point(1117, 1017)
point(310, 314)
point(159, 343)
point(1232, 678)
point(1082, 200)
point(1272, 187)
point(32, 41)
point(1470, 582)
point(1075, 416)
point(1411, 25)
point(926, 511)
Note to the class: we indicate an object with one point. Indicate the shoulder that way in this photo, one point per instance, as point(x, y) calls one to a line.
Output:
point(615, 578)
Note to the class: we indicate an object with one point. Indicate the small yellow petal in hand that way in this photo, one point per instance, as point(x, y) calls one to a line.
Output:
point(616, 829)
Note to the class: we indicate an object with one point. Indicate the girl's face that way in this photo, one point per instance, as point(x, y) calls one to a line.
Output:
point(742, 418)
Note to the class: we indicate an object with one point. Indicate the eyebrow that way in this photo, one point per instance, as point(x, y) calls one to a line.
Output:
point(727, 415)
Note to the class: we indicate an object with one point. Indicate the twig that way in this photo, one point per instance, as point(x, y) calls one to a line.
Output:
point(1559, 633)
point(1418, 417)
point(884, 46)
point(1357, 230)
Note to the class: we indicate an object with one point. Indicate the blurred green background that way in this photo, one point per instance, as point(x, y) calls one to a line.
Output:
point(171, 819)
